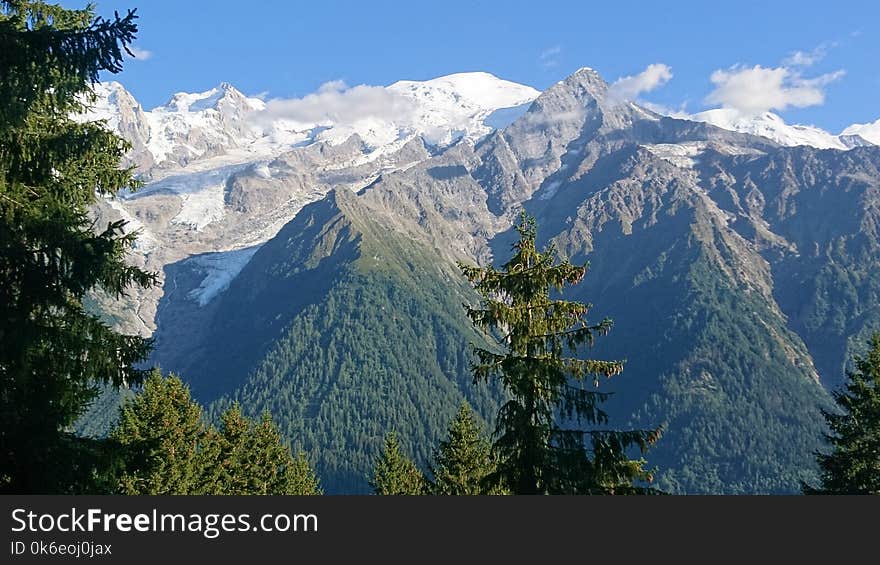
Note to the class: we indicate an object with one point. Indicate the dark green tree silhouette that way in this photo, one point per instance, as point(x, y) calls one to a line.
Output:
point(853, 465)
point(394, 473)
point(252, 458)
point(164, 447)
point(536, 453)
point(463, 460)
point(53, 352)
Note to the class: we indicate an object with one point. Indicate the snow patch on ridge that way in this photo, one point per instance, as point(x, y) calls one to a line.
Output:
point(201, 208)
point(550, 190)
point(868, 132)
point(771, 126)
point(201, 193)
point(220, 269)
point(683, 155)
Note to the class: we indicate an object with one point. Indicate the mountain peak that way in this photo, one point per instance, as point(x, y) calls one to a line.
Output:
point(115, 104)
point(771, 126)
point(108, 86)
point(583, 97)
point(869, 132)
point(209, 99)
point(587, 71)
point(586, 84)
point(477, 89)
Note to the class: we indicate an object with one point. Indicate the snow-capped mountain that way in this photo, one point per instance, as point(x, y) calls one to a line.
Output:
point(868, 132)
point(189, 127)
point(223, 121)
point(123, 114)
point(772, 126)
point(441, 111)
point(192, 145)
point(192, 125)
point(464, 104)
point(225, 171)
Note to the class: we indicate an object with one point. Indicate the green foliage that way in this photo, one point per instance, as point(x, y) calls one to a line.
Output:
point(396, 474)
point(536, 454)
point(853, 466)
point(463, 460)
point(338, 387)
point(167, 449)
point(52, 352)
point(739, 402)
point(367, 341)
point(163, 440)
point(253, 459)
point(51, 55)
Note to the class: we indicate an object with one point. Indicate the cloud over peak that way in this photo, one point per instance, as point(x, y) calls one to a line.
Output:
point(630, 87)
point(753, 90)
point(336, 102)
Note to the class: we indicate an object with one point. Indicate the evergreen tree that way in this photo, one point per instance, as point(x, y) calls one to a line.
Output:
point(162, 436)
point(166, 448)
point(463, 460)
point(300, 477)
point(253, 459)
point(53, 352)
point(853, 466)
point(396, 474)
point(536, 453)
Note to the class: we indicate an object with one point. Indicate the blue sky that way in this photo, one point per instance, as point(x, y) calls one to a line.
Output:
point(289, 48)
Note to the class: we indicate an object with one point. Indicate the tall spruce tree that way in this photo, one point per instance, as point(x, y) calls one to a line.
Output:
point(394, 473)
point(536, 453)
point(463, 460)
point(53, 352)
point(853, 465)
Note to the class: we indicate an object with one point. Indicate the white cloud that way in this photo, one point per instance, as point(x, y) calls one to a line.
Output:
point(629, 87)
point(808, 58)
point(757, 89)
point(551, 52)
point(803, 58)
point(550, 57)
point(335, 102)
point(333, 86)
point(140, 54)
